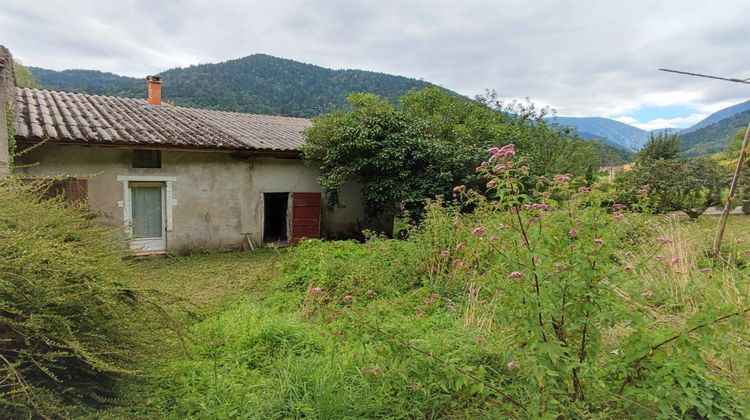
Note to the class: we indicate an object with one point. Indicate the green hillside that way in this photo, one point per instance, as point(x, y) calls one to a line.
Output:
point(257, 83)
point(713, 138)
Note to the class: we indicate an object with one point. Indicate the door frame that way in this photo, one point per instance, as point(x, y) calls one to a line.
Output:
point(168, 202)
point(263, 215)
point(156, 243)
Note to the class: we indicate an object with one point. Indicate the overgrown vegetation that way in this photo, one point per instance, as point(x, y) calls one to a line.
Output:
point(547, 304)
point(660, 182)
point(71, 321)
point(431, 142)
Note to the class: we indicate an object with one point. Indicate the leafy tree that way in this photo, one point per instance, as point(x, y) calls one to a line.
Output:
point(669, 184)
point(390, 154)
point(23, 76)
point(662, 145)
point(432, 142)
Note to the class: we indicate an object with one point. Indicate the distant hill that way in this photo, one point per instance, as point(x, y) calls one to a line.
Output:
point(612, 132)
point(718, 116)
point(257, 83)
point(714, 137)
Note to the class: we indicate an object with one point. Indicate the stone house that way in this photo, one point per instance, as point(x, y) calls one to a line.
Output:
point(176, 178)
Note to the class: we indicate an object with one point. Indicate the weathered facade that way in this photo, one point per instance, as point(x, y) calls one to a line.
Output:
point(211, 200)
point(179, 178)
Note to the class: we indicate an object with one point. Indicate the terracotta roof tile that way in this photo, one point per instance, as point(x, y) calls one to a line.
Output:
point(93, 119)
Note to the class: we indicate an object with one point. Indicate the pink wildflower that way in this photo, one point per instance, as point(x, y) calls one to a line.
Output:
point(619, 207)
point(663, 240)
point(675, 260)
point(445, 254)
point(498, 168)
point(492, 184)
point(458, 189)
point(523, 159)
point(494, 238)
point(377, 371)
point(317, 291)
point(598, 241)
point(513, 365)
point(643, 191)
point(572, 233)
point(347, 299)
point(479, 230)
point(524, 169)
point(646, 294)
point(660, 257)
point(618, 217)
point(584, 190)
point(371, 294)
point(460, 246)
point(546, 194)
point(561, 179)
point(515, 275)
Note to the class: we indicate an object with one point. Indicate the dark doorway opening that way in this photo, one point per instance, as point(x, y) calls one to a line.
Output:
point(275, 207)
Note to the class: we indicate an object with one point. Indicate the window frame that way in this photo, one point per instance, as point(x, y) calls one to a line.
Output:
point(154, 160)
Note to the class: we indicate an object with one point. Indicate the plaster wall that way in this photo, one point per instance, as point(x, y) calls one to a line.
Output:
point(216, 197)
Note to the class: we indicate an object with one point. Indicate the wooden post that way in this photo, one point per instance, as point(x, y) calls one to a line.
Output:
point(732, 190)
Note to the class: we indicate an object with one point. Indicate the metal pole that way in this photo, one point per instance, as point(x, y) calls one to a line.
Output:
point(732, 190)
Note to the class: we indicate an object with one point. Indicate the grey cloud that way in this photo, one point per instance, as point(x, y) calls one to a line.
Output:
point(583, 57)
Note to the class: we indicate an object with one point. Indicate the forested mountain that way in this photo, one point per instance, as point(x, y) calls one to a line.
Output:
point(613, 132)
point(257, 83)
point(269, 85)
point(610, 155)
point(713, 138)
point(718, 116)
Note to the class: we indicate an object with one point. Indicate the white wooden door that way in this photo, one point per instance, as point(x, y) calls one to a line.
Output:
point(147, 216)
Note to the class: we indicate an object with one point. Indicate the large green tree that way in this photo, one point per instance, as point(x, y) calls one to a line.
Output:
point(431, 142)
point(393, 156)
point(661, 182)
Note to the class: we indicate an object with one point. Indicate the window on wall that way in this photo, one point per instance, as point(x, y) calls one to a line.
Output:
point(147, 158)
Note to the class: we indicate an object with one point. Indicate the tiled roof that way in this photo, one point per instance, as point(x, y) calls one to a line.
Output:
point(92, 119)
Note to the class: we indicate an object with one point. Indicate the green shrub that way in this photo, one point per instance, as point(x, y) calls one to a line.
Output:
point(68, 318)
point(552, 304)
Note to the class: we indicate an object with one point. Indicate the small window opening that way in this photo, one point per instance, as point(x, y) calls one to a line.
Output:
point(274, 217)
point(147, 158)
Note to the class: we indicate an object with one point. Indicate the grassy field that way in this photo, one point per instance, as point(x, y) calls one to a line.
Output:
point(249, 340)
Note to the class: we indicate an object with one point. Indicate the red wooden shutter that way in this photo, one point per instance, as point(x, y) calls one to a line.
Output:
point(305, 216)
point(75, 190)
point(71, 190)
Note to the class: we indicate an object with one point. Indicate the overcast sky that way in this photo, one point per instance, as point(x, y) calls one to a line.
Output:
point(581, 57)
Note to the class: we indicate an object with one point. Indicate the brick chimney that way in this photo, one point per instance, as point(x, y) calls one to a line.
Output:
point(153, 83)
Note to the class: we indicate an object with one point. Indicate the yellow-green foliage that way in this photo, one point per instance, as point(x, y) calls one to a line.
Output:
point(23, 76)
point(69, 317)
